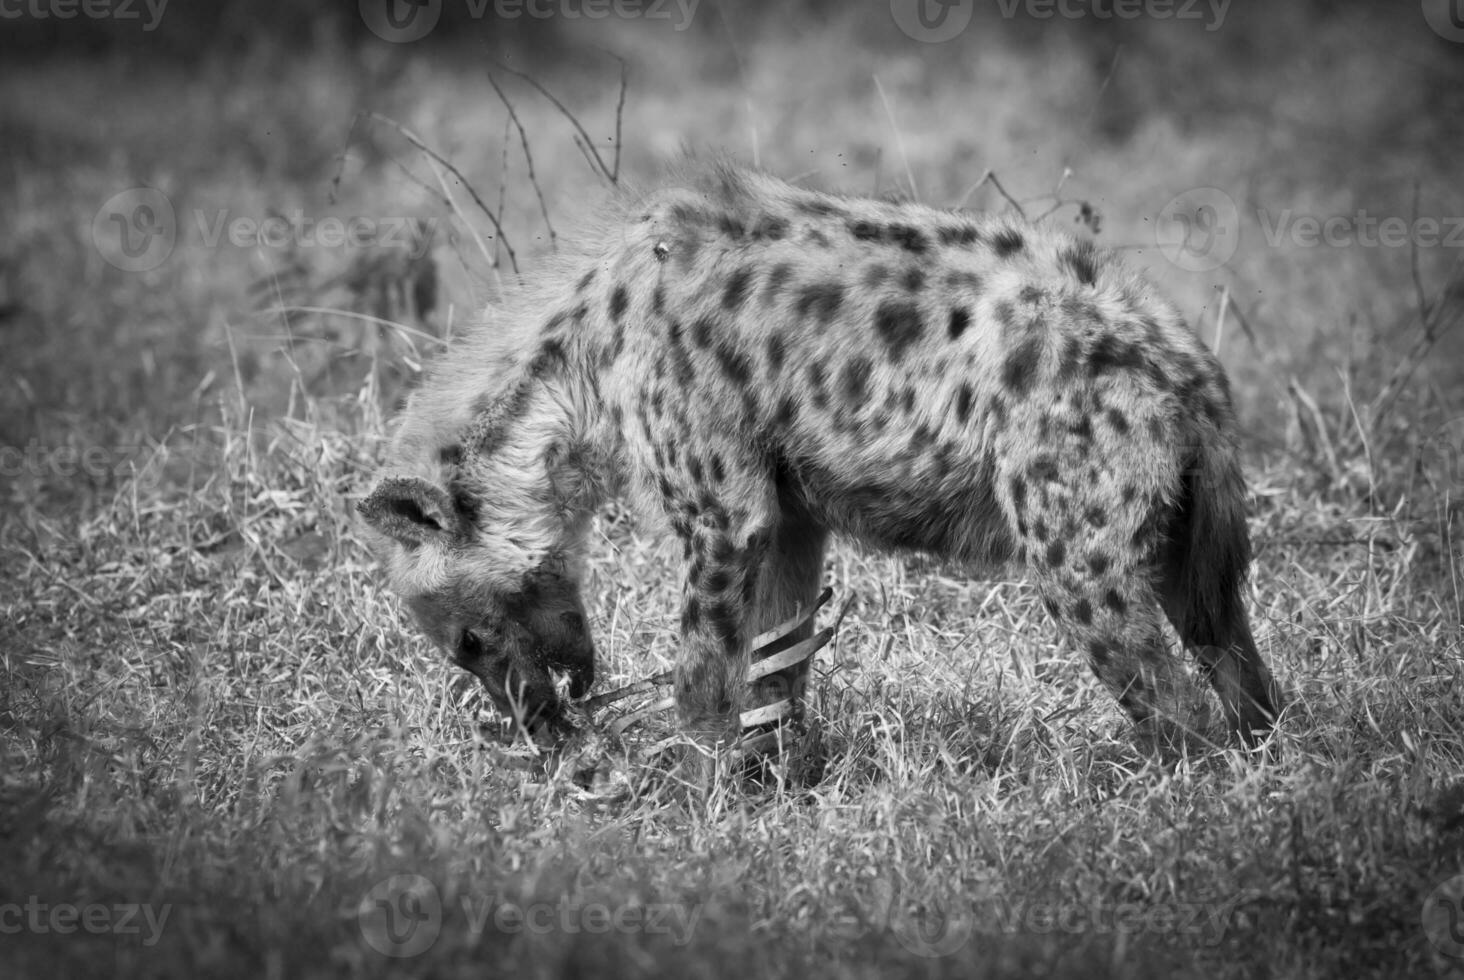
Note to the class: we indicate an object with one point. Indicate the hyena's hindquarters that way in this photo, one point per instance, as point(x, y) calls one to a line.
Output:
point(1088, 535)
point(1203, 570)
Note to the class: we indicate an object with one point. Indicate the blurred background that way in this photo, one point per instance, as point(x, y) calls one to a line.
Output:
point(1238, 151)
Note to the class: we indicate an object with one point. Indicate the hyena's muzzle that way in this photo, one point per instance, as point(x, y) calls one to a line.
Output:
point(518, 645)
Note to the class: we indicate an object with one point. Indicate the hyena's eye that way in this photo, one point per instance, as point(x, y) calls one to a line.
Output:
point(470, 646)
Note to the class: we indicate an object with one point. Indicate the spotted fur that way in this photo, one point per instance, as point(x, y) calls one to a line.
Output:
point(764, 366)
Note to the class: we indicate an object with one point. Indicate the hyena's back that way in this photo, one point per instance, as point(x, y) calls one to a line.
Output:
point(913, 372)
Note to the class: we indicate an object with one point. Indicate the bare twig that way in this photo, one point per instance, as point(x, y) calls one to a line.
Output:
point(899, 138)
point(598, 162)
point(438, 158)
point(990, 176)
point(528, 159)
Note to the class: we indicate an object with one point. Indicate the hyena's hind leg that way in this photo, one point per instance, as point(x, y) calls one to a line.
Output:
point(1089, 542)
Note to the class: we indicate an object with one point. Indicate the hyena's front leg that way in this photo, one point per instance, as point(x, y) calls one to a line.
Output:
point(721, 584)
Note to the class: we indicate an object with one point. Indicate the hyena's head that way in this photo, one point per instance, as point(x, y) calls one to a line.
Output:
point(510, 615)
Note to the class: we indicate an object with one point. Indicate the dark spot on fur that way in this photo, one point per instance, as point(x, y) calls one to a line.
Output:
point(680, 358)
point(1019, 494)
point(450, 455)
point(1082, 428)
point(1110, 353)
point(1081, 261)
point(963, 403)
point(1021, 364)
point(960, 320)
point(913, 279)
point(1129, 493)
point(1156, 428)
point(1040, 530)
point(1115, 602)
point(963, 279)
point(818, 207)
point(821, 299)
point(959, 235)
point(658, 299)
point(1098, 563)
point(618, 301)
point(777, 352)
point(734, 364)
point(1098, 650)
point(1083, 612)
point(1043, 468)
point(865, 231)
point(584, 282)
point(909, 238)
point(875, 275)
point(1096, 517)
point(695, 470)
point(856, 381)
point(719, 468)
point(1117, 420)
point(1051, 608)
point(691, 615)
point(787, 412)
point(777, 279)
point(1007, 242)
point(736, 290)
point(770, 227)
point(897, 324)
point(1031, 294)
point(702, 330)
point(1071, 359)
point(907, 399)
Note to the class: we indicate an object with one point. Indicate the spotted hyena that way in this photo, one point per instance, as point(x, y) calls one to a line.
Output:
point(765, 366)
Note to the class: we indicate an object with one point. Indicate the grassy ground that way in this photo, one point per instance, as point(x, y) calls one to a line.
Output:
point(221, 744)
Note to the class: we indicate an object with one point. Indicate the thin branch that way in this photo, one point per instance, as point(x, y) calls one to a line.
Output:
point(990, 176)
point(594, 154)
point(433, 155)
point(899, 138)
point(528, 158)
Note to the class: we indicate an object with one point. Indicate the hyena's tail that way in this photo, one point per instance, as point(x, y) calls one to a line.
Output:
point(1204, 570)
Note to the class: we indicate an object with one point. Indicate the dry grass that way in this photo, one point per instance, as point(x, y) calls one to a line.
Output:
point(209, 707)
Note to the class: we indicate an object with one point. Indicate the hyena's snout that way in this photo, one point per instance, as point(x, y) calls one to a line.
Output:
point(518, 664)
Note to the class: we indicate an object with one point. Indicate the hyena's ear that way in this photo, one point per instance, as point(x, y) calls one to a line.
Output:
point(411, 510)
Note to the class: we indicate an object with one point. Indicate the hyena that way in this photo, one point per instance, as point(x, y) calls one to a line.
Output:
point(765, 366)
